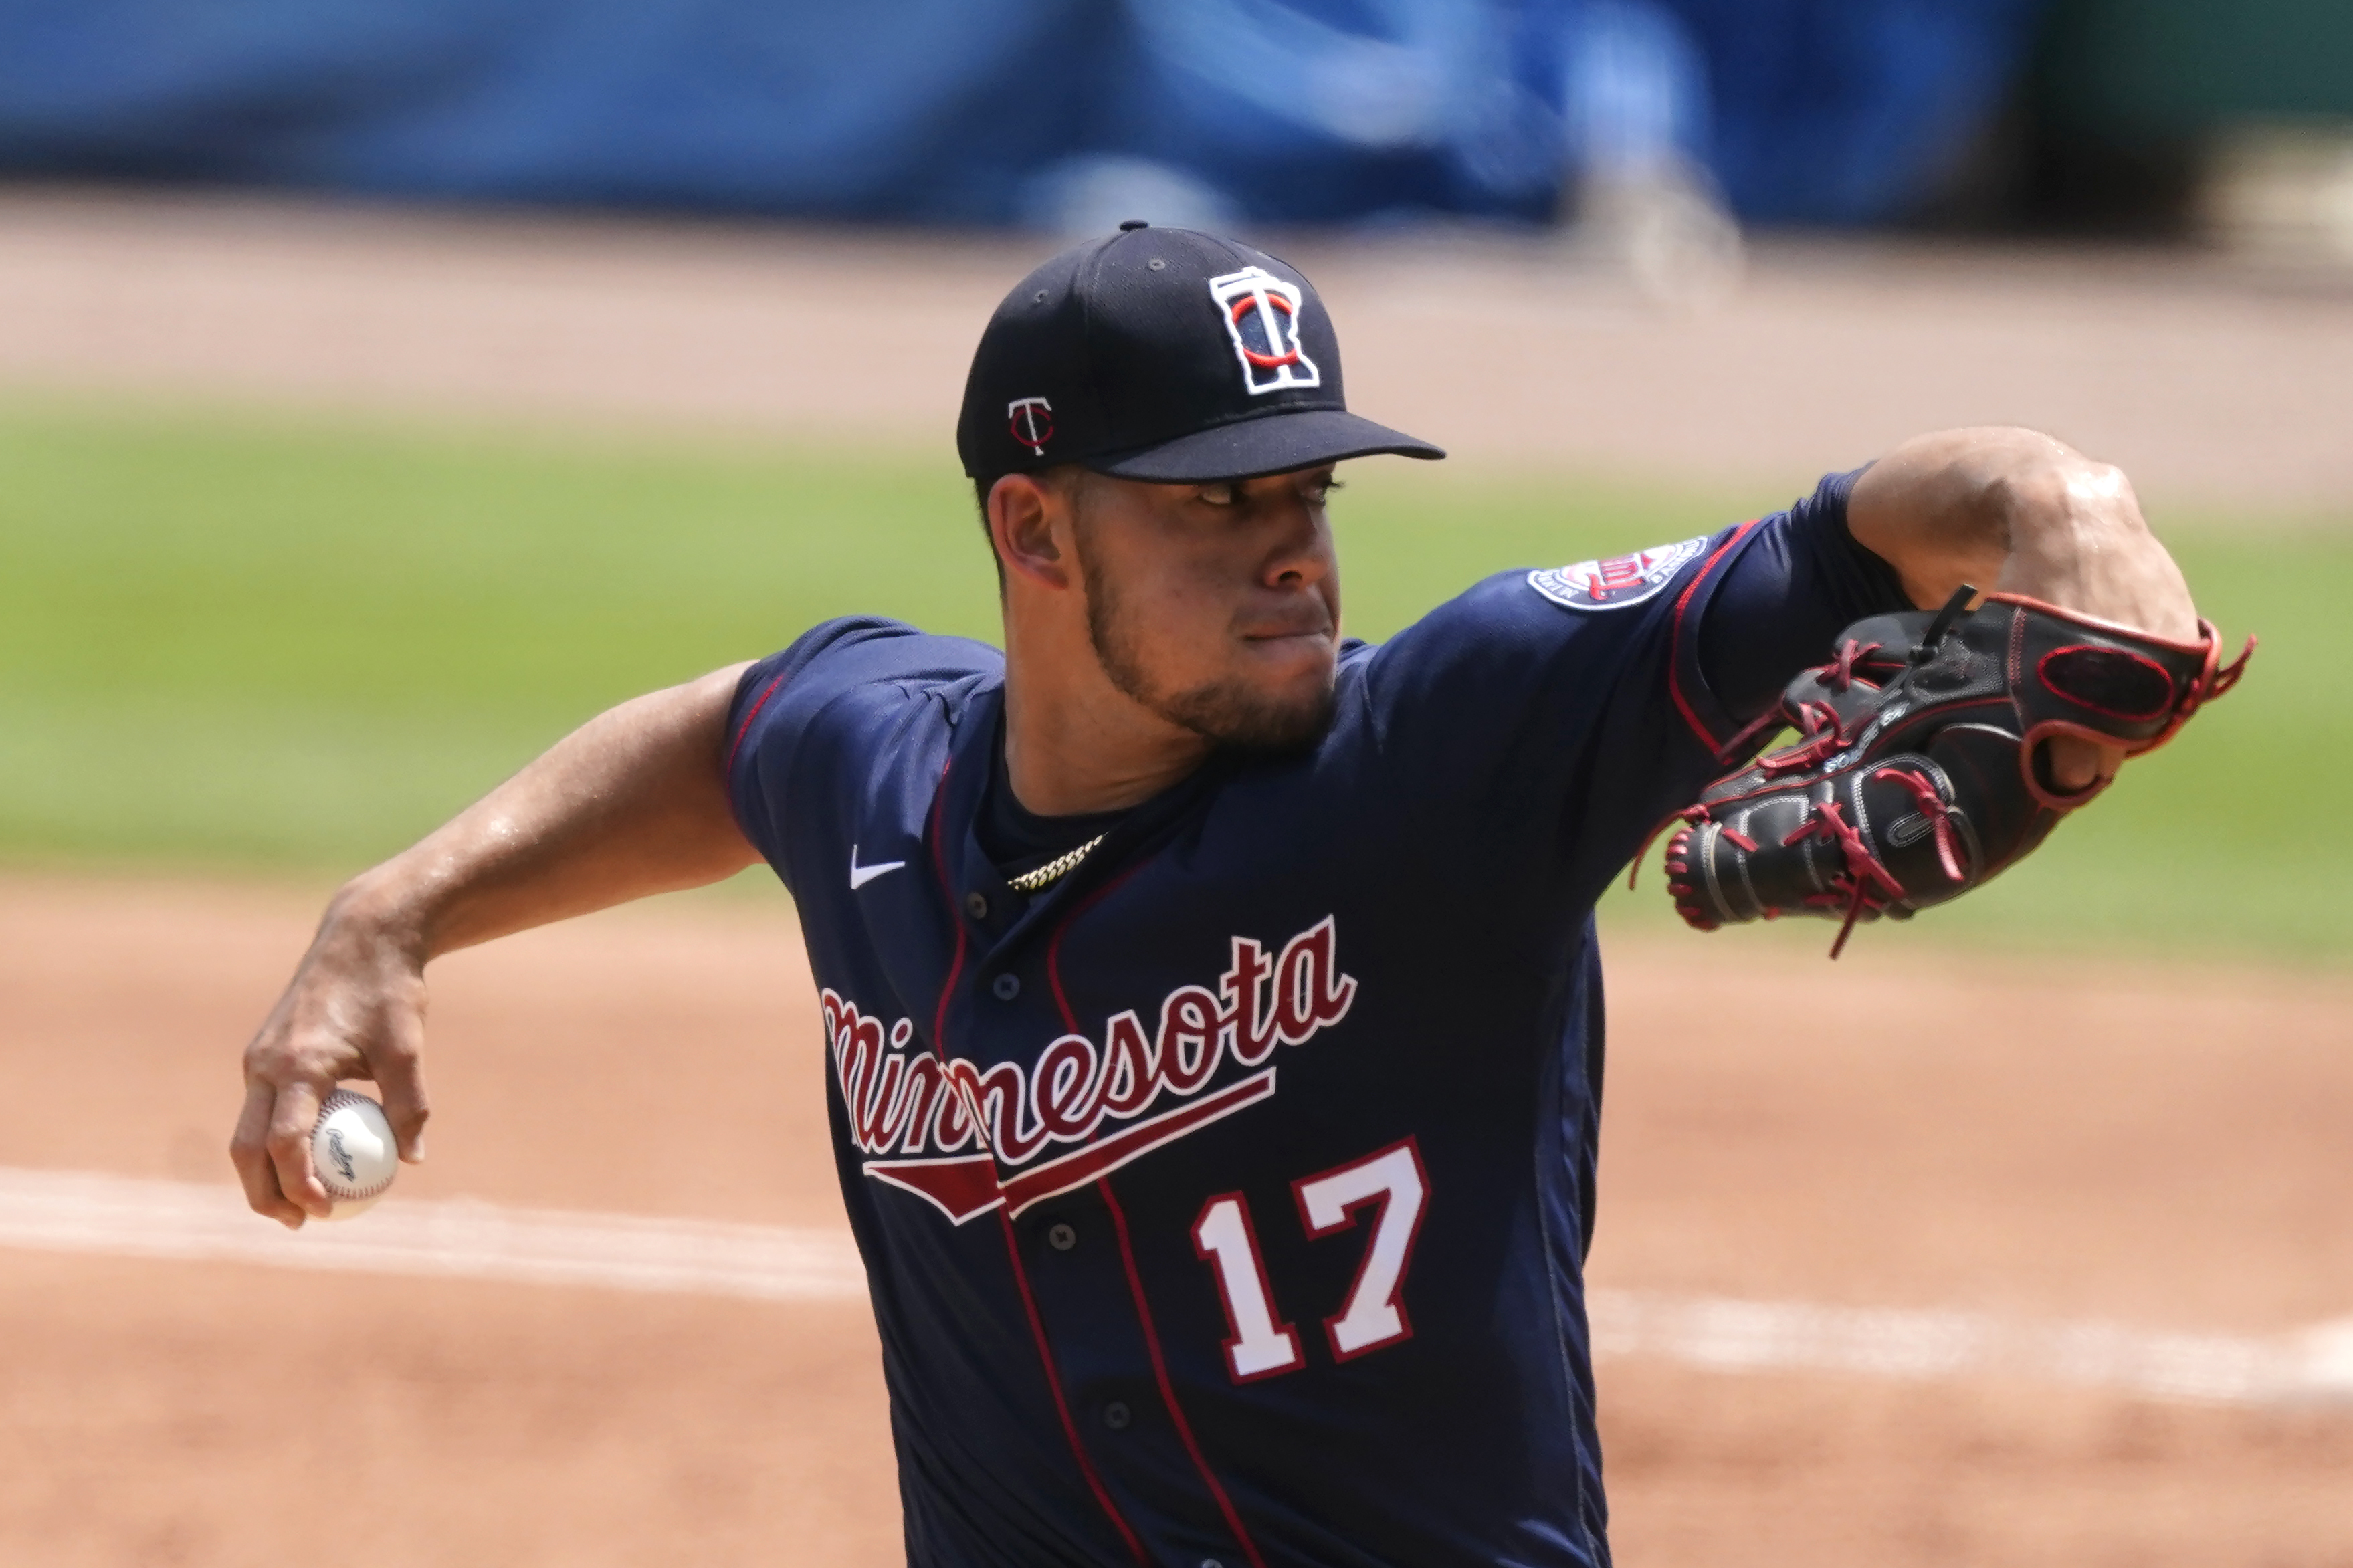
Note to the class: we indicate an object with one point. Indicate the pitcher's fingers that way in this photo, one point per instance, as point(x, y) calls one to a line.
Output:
point(291, 1121)
point(399, 1068)
point(248, 1151)
point(2076, 763)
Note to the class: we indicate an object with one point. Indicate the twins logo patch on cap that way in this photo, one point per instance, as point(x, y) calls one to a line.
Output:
point(1621, 581)
point(1262, 315)
point(1031, 421)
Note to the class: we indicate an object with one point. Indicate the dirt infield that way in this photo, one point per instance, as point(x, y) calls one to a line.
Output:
point(2161, 1150)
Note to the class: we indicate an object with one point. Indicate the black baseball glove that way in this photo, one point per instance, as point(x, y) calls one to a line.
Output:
point(1919, 770)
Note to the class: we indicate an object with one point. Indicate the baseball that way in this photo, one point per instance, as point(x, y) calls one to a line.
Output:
point(352, 1148)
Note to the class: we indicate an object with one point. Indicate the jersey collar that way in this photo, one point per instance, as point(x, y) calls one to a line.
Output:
point(1007, 919)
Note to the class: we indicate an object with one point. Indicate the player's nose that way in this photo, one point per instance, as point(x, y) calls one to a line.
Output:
point(1299, 546)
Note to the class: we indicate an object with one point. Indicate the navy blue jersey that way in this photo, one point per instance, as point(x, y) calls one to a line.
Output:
point(1228, 1201)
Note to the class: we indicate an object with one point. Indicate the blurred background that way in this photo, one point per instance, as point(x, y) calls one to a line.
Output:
point(385, 388)
point(2155, 118)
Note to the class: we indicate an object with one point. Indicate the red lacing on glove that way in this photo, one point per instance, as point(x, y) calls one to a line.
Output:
point(1866, 883)
point(1679, 864)
point(2216, 683)
point(1825, 738)
point(1940, 817)
point(1754, 732)
point(1839, 674)
point(1688, 815)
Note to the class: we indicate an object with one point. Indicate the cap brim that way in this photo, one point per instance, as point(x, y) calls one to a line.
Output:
point(1269, 444)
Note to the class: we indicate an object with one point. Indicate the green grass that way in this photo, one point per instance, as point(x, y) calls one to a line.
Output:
point(236, 641)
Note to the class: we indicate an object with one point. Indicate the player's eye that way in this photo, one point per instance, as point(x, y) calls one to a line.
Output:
point(1319, 491)
point(1220, 494)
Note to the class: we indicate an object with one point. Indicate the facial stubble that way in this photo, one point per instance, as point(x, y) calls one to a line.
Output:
point(1231, 713)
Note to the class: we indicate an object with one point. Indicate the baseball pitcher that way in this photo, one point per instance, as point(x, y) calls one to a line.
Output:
point(1212, 1013)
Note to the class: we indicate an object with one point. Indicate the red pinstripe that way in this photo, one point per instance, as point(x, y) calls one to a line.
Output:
point(948, 889)
point(745, 728)
point(1127, 1250)
point(1013, 1242)
point(1167, 1390)
point(1061, 1406)
point(1054, 948)
point(1675, 639)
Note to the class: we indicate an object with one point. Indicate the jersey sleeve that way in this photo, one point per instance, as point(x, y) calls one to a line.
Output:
point(1783, 602)
point(1553, 718)
point(826, 711)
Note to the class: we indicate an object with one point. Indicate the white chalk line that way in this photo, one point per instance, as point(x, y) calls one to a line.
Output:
point(122, 1216)
point(1914, 1345)
point(451, 1238)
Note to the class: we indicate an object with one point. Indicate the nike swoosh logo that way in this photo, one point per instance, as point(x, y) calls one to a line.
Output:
point(861, 875)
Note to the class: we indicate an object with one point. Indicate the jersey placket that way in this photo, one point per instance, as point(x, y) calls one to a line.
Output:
point(1072, 1255)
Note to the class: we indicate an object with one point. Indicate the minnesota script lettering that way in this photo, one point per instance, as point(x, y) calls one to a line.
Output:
point(902, 1105)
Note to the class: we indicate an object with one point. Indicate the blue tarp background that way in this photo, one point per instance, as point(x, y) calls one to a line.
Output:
point(1013, 110)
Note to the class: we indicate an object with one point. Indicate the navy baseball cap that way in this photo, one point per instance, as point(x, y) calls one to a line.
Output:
point(1163, 354)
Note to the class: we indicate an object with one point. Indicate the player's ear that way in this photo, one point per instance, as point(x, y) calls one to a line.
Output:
point(1023, 510)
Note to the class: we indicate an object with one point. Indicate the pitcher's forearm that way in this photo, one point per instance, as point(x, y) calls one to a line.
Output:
point(2017, 511)
point(631, 804)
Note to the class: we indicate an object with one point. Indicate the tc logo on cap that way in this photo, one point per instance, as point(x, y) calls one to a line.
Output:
point(1262, 315)
point(1031, 420)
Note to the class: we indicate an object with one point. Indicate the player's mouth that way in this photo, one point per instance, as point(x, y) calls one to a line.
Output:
point(1306, 653)
point(1309, 623)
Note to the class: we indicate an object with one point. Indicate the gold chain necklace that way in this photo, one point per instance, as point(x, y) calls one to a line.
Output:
point(1059, 867)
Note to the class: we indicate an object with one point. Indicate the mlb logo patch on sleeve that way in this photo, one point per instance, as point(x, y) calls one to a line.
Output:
point(1621, 581)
